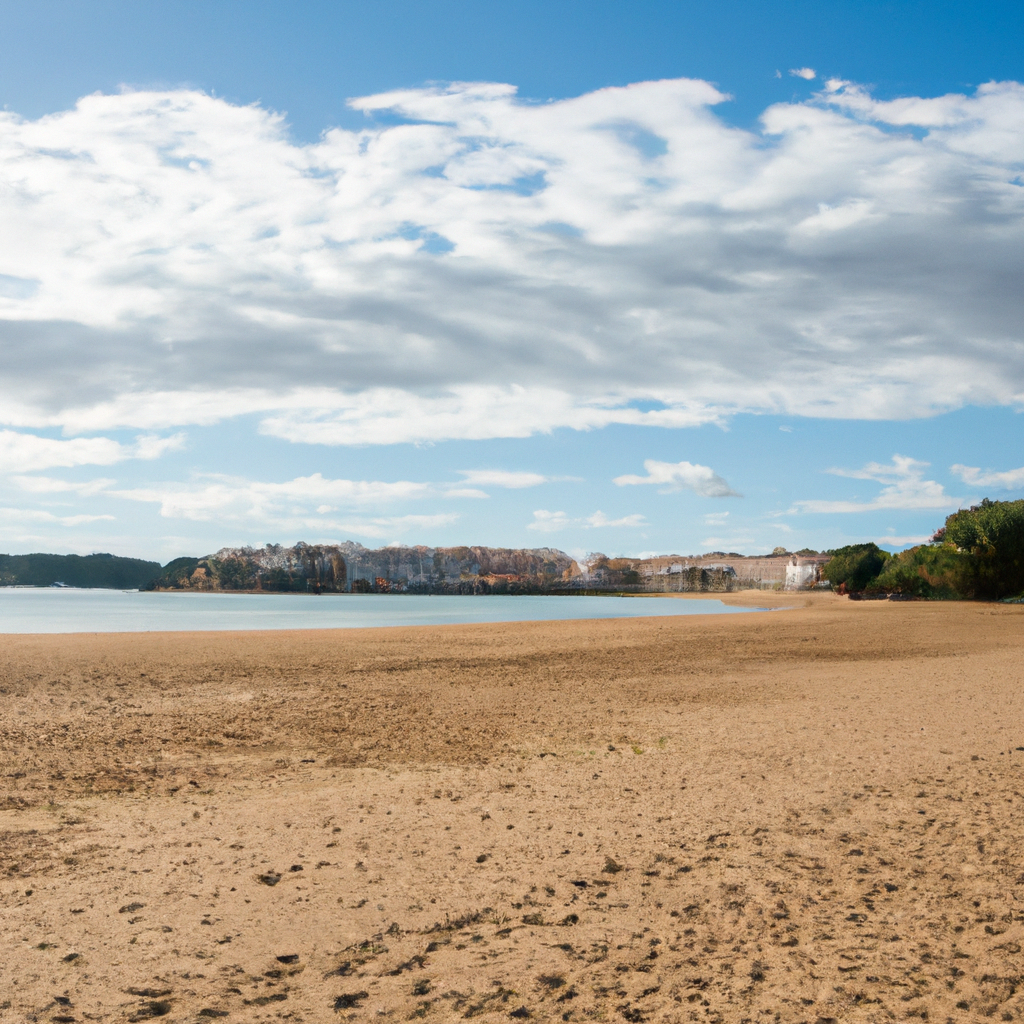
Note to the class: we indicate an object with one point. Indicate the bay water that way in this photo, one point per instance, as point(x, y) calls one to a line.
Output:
point(29, 610)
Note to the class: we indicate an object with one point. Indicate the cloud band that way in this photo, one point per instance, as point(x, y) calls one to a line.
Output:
point(569, 260)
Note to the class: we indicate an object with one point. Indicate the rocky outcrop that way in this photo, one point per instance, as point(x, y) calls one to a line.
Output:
point(350, 567)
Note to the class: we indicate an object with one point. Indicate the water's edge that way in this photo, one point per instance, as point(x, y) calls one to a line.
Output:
point(45, 610)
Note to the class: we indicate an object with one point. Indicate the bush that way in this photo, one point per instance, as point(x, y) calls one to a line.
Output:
point(979, 553)
point(854, 567)
point(991, 535)
point(935, 571)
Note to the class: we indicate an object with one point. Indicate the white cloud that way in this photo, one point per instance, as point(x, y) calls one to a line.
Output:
point(1008, 480)
point(805, 73)
point(502, 478)
point(716, 518)
point(465, 412)
point(622, 257)
point(674, 476)
point(9, 516)
point(465, 492)
point(551, 522)
point(905, 488)
point(152, 447)
point(224, 498)
point(48, 485)
point(294, 506)
point(303, 503)
point(599, 519)
point(899, 542)
point(22, 452)
point(382, 526)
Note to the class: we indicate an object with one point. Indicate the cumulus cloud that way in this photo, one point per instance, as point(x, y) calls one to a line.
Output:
point(49, 485)
point(380, 526)
point(464, 412)
point(675, 476)
point(465, 492)
point(229, 498)
point(309, 503)
point(905, 488)
point(472, 266)
point(302, 504)
point(805, 73)
point(551, 522)
point(16, 516)
point(1008, 480)
point(21, 452)
point(599, 519)
point(514, 479)
point(899, 542)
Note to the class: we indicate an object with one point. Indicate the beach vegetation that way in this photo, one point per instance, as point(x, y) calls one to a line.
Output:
point(978, 553)
point(991, 537)
point(935, 571)
point(853, 568)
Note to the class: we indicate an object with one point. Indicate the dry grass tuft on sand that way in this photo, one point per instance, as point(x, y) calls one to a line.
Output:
point(810, 815)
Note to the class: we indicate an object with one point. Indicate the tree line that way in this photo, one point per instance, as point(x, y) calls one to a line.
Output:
point(977, 554)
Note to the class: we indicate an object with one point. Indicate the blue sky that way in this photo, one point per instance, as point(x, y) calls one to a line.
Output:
point(620, 277)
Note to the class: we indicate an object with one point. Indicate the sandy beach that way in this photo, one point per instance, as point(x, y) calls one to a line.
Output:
point(812, 814)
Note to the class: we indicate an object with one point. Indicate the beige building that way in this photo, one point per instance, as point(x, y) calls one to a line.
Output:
point(719, 571)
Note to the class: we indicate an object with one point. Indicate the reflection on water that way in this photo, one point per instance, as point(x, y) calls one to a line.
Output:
point(113, 611)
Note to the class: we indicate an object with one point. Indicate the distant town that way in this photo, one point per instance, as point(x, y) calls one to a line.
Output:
point(977, 554)
point(352, 568)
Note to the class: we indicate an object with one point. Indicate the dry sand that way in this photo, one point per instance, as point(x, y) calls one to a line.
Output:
point(807, 815)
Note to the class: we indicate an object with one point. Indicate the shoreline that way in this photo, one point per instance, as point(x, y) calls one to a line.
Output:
point(227, 619)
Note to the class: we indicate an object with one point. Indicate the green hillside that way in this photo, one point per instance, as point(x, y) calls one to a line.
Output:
point(101, 570)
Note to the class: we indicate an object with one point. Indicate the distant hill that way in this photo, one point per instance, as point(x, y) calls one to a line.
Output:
point(349, 567)
point(100, 571)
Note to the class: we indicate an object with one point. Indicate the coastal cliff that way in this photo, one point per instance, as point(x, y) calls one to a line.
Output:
point(352, 568)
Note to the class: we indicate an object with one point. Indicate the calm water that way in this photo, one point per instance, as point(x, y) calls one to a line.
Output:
point(114, 611)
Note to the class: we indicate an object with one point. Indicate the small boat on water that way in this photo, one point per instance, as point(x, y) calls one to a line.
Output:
point(57, 585)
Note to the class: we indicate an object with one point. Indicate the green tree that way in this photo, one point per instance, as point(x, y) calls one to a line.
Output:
point(992, 536)
point(854, 567)
point(929, 570)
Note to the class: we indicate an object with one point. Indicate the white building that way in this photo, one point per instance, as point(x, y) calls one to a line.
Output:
point(800, 573)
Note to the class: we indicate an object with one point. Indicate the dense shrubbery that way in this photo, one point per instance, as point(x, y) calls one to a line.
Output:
point(991, 535)
point(979, 553)
point(930, 570)
point(853, 568)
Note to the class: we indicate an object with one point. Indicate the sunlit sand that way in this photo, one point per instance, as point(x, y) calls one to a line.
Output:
point(807, 815)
